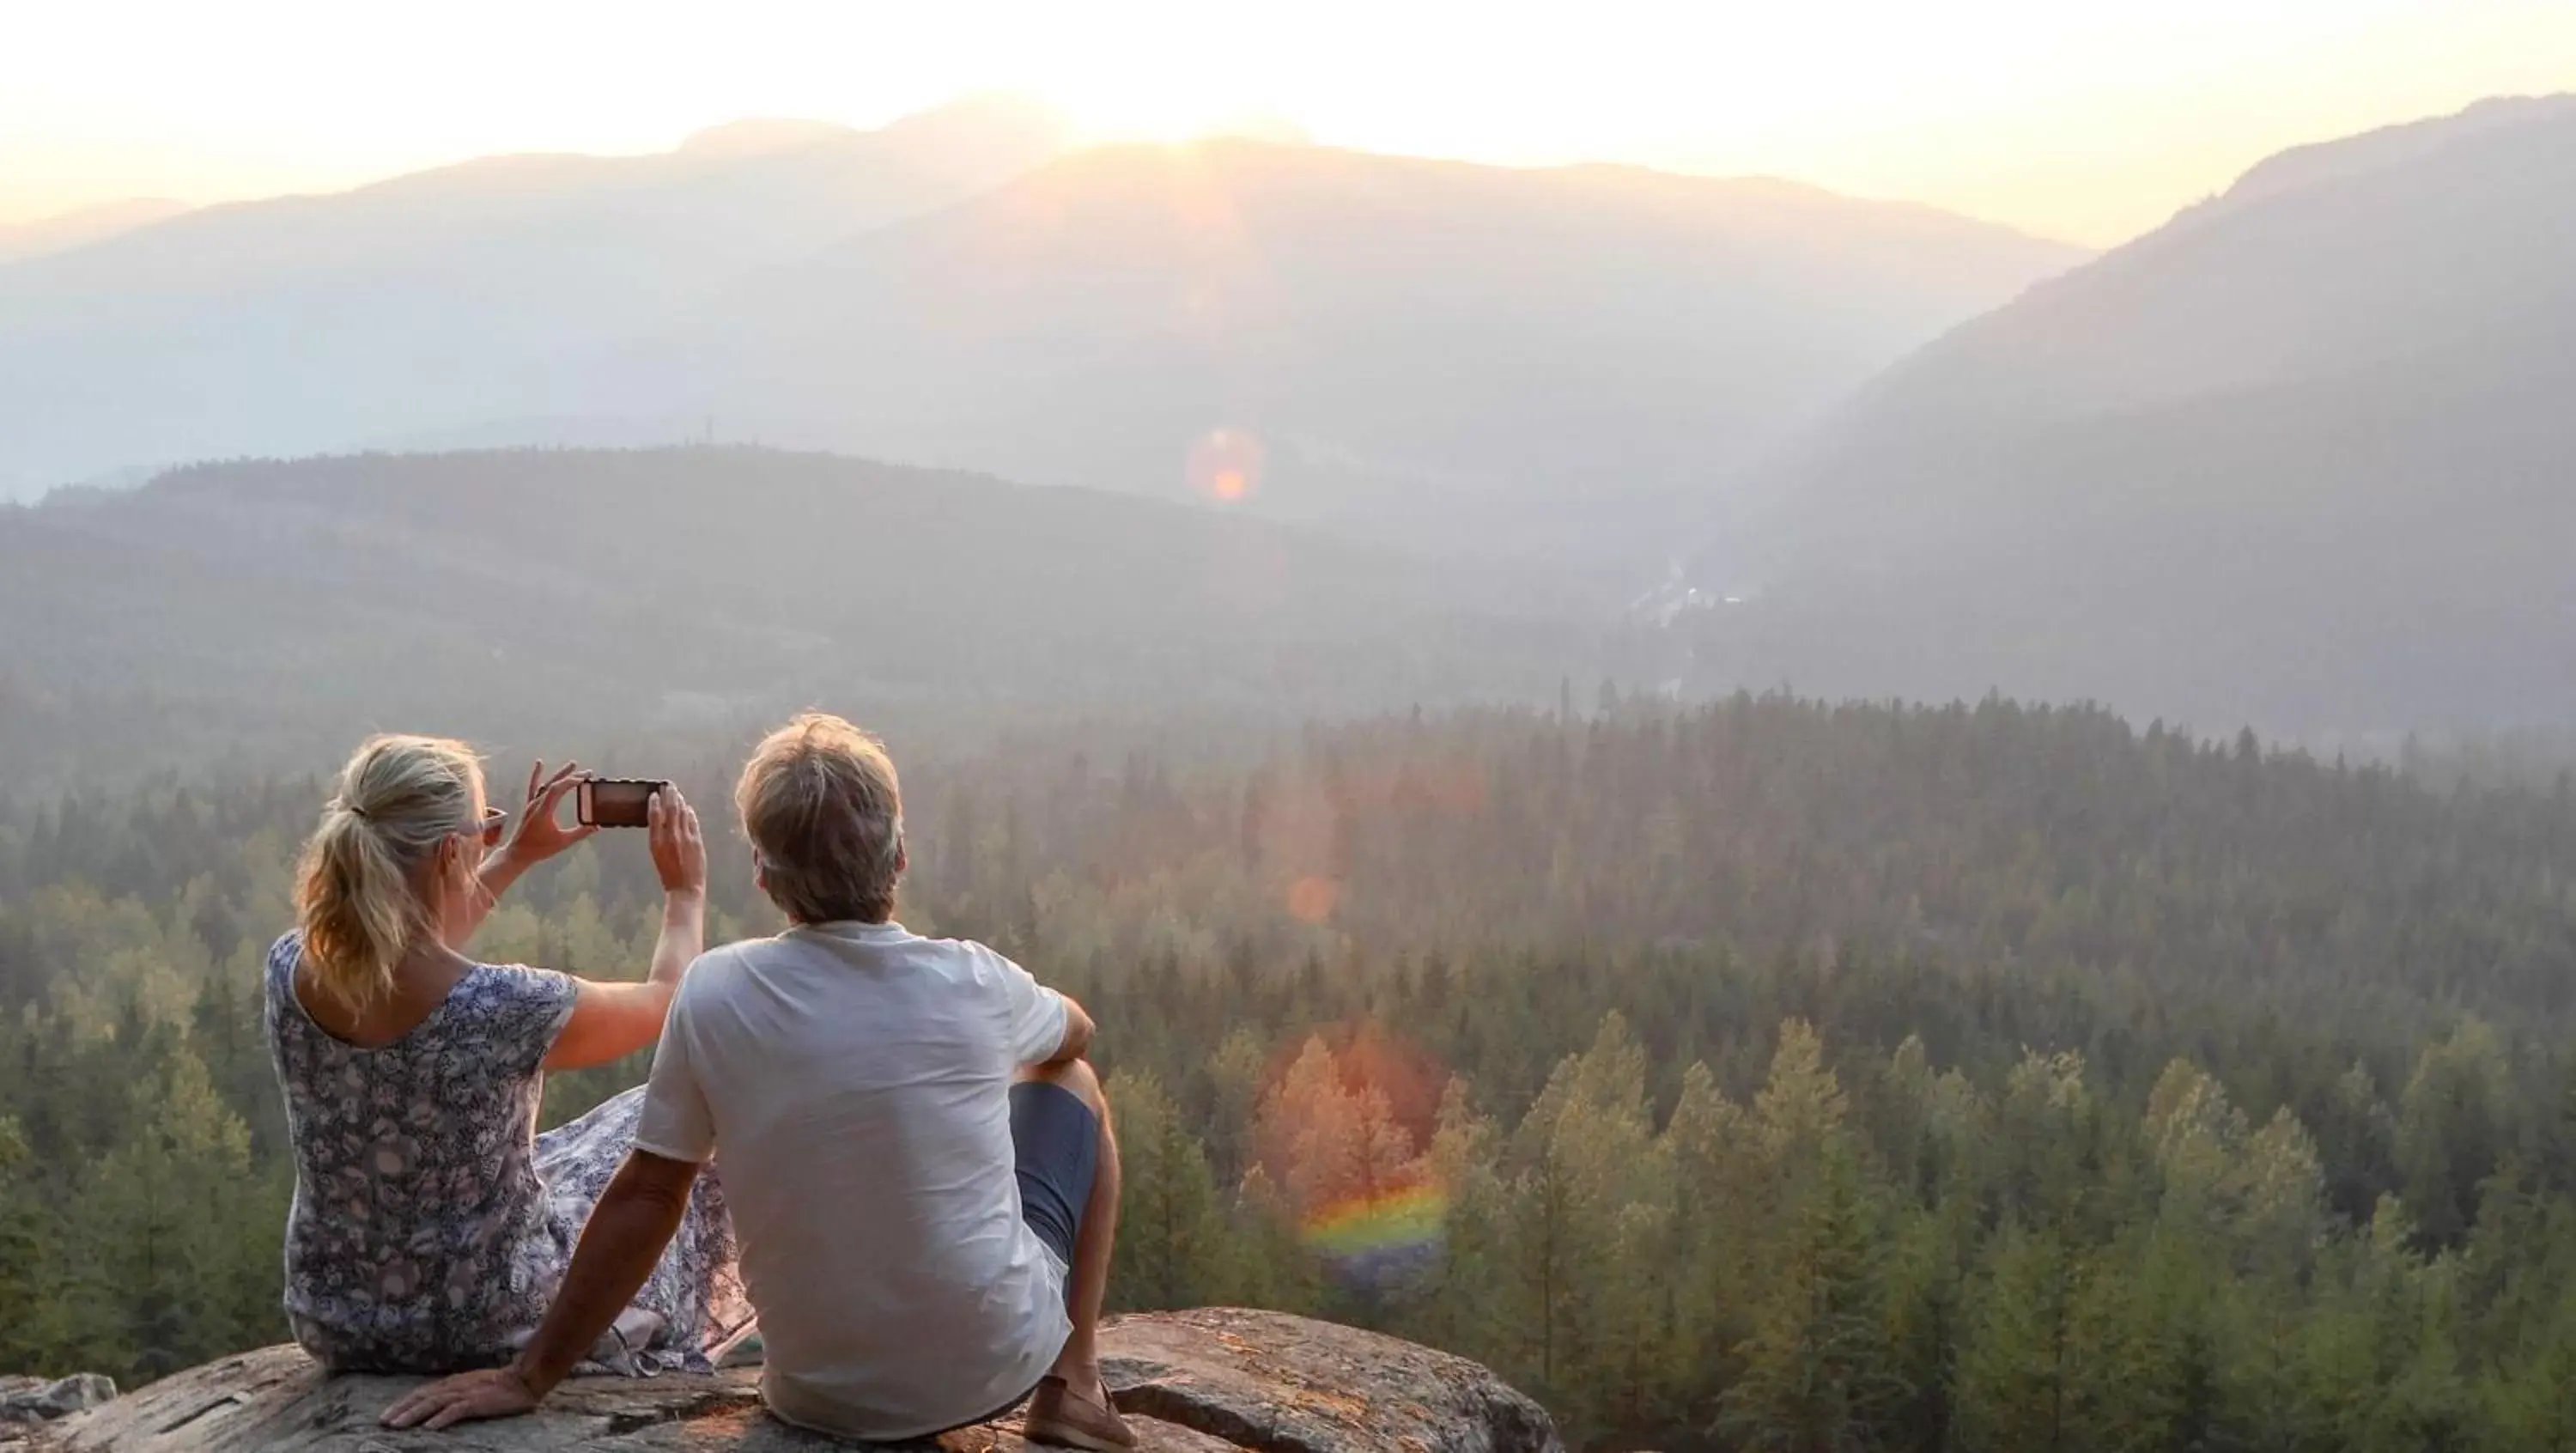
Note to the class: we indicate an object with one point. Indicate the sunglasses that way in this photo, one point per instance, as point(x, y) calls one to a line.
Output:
point(494, 820)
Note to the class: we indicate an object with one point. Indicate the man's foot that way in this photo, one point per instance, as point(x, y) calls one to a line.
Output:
point(1059, 1415)
point(747, 1352)
point(742, 1347)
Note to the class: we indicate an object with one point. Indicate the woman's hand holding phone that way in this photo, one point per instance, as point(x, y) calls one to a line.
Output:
point(679, 850)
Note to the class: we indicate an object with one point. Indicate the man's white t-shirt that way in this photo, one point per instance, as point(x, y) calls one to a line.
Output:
point(853, 1081)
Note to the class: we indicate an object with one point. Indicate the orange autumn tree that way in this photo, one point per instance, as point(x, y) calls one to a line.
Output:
point(1334, 1139)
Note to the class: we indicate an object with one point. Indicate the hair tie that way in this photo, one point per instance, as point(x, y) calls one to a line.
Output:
point(354, 810)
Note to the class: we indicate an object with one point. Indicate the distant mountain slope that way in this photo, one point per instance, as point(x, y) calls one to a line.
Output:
point(2304, 456)
point(2388, 146)
point(1550, 361)
point(665, 586)
point(80, 228)
point(1459, 354)
point(432, 300)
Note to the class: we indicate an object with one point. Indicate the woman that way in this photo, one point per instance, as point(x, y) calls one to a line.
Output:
point(430, 1223)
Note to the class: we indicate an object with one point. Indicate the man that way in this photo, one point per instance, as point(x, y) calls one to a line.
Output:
point(920, 1166)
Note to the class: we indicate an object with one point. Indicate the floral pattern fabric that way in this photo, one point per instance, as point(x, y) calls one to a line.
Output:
point(431, 1224)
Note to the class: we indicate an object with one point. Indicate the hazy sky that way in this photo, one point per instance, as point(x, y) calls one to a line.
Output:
point(2085, 119)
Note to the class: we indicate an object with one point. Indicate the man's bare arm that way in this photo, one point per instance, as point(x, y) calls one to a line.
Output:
point(635, 1218)
point(1077, 1035)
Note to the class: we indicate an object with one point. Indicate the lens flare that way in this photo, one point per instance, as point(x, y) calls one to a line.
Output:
point(1312, 900)
point(1224, 465)
point(1379, 1241)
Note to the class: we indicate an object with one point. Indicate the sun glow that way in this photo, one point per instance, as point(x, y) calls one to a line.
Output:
point(1149, 113)
point(1169, 98)
point(2092, 121)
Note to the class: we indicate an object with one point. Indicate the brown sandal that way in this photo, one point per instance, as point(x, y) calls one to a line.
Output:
point(1058, 1415)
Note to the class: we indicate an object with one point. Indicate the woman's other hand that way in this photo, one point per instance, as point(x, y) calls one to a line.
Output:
point(535, 837)
point(679, 851)
point(540, 833)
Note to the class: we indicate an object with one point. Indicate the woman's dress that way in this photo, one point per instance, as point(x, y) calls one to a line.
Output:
point(431, 1223)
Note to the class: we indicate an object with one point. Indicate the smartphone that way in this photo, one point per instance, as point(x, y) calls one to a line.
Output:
point(613, 801)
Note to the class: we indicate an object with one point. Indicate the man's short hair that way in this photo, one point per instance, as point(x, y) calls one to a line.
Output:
point(824, 813)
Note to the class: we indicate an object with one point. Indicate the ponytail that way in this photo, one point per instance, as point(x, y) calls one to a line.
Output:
point(399, 798)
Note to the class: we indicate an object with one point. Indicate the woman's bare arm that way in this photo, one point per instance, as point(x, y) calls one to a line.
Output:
point(612, 1019)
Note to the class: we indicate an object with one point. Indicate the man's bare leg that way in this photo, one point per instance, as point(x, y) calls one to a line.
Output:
point(1079, 1363)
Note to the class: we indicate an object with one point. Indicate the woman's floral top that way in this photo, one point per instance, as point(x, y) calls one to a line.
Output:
point(431, 1223)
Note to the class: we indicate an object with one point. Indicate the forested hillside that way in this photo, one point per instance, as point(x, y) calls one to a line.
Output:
point(275, 610)
point(1764, 1075)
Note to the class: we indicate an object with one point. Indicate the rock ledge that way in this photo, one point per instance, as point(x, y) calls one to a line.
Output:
point(35, 1400)
point(1207, 1381)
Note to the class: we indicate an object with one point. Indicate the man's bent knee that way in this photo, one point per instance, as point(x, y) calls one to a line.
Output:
point(1075, 1075)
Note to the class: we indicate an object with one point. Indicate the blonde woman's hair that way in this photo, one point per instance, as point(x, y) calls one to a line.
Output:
point(399, 798)
point(824, 813)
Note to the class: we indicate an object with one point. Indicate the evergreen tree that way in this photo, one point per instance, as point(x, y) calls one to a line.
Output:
point(1590, 1206)
point(2530, 1402)
point(2021, 1365)
point(1171, 1249)
point(24, 1240)
point(1718, 1175)
point(1818, 1369)
point(1457, 1305)
point(2448, 1136)
point(166, 1218)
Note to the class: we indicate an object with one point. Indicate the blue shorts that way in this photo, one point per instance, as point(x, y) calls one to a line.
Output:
point(1055, 1147)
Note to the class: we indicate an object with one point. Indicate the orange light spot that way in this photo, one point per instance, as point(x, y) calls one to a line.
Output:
point(1312, 900)
point(1224, 465)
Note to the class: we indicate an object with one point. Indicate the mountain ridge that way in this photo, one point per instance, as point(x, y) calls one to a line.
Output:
point(83, 226)
point(429, 300)
point(2325, 161)
point(1411, 339)
point(528, 287)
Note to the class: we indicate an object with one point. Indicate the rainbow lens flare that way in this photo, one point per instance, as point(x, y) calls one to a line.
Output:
point(1378, 1242)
